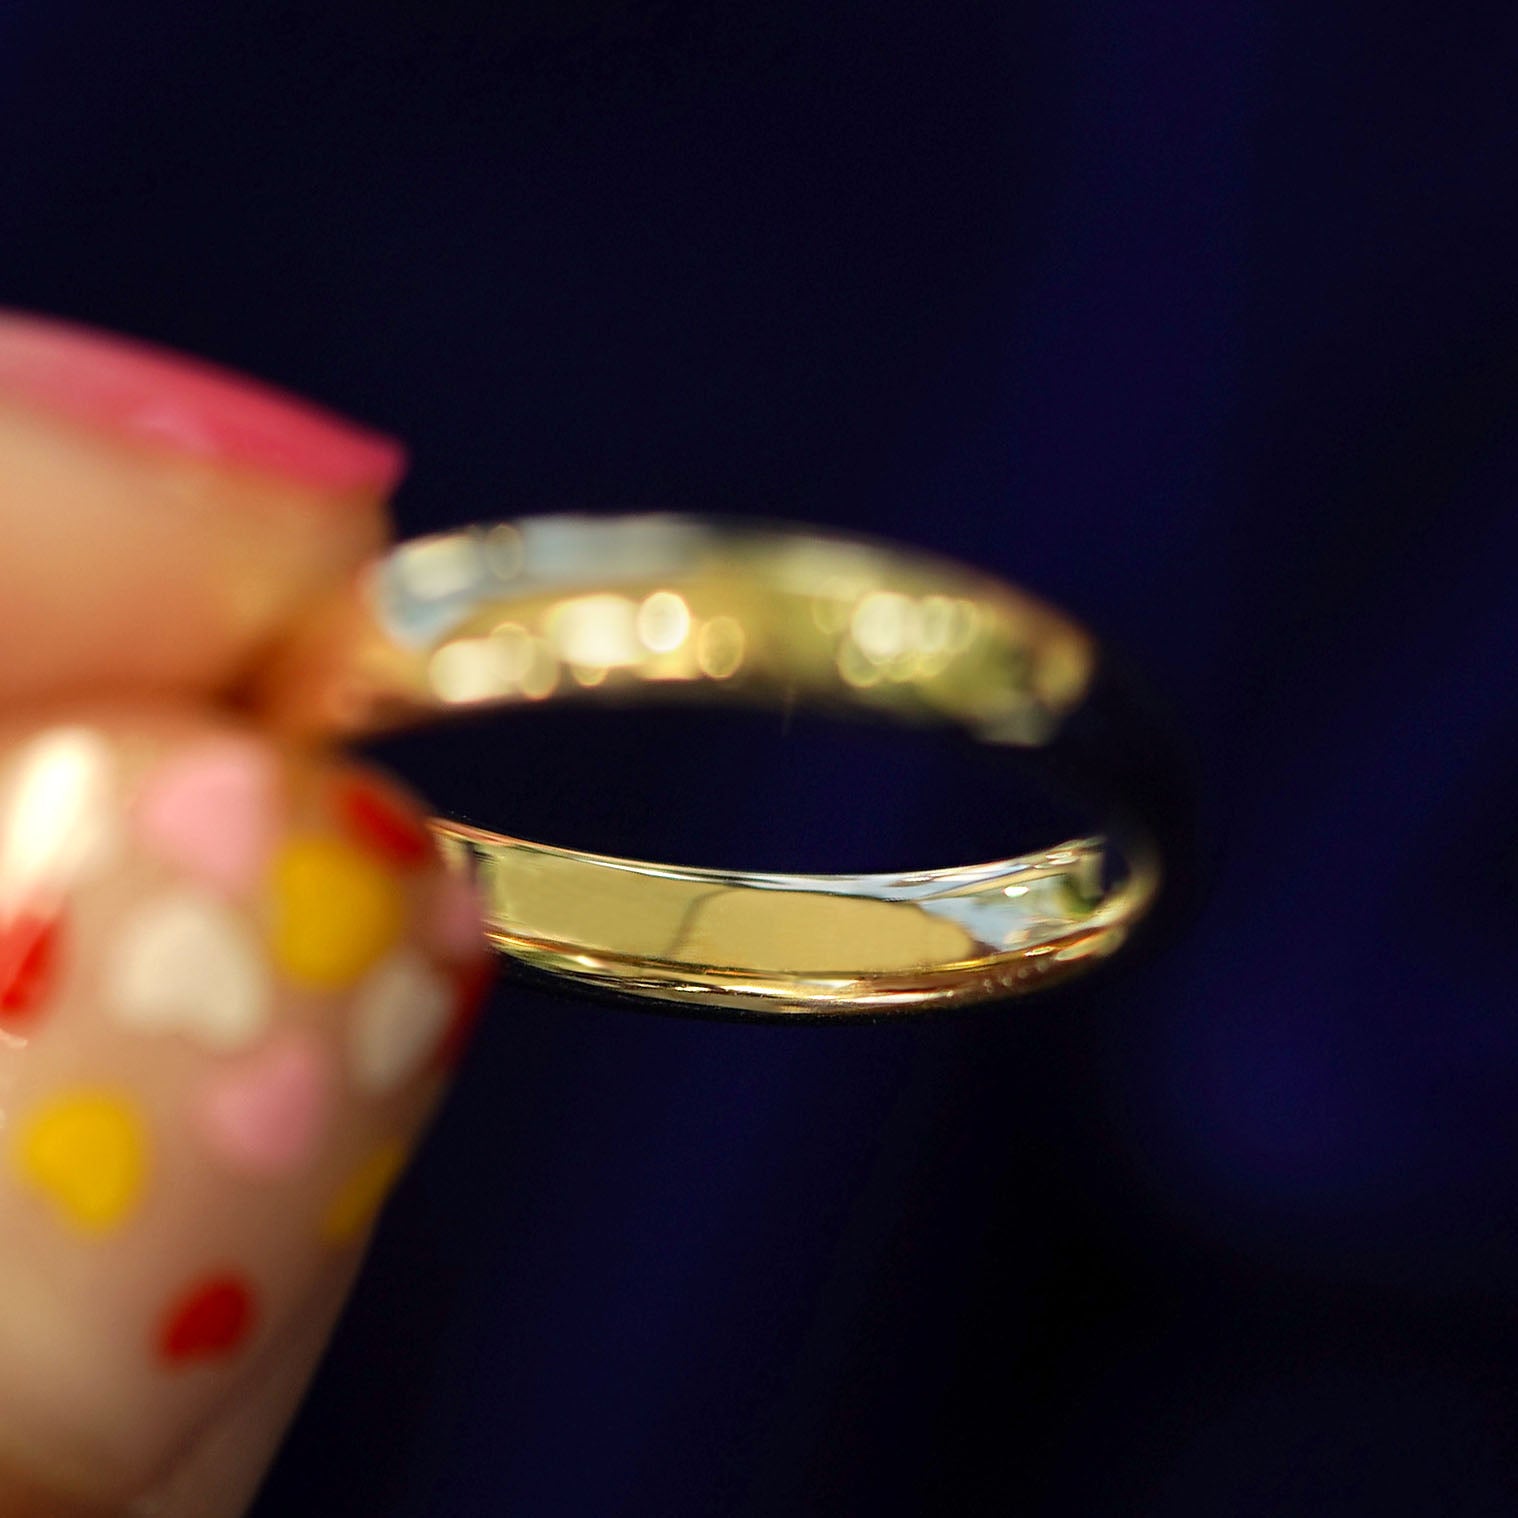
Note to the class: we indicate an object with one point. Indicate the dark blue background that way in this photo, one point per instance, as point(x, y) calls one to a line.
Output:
point(1199, 319)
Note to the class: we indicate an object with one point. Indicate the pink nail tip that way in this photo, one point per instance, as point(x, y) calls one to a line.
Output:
point(151, 395)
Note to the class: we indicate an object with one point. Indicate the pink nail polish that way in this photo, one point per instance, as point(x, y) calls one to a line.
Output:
point(150, 395)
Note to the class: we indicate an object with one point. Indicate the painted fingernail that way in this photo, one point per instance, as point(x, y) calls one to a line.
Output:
point(231, 981)
point(164, 399)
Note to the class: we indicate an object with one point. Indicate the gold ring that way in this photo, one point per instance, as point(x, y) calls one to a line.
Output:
point(658, 607)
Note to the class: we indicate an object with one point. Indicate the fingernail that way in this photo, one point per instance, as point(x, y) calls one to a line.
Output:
point(152, 396)
point(232, 980)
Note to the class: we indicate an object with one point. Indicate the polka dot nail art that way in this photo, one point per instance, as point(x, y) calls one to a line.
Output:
point(231, 980)
point(210, 1320)
point(86, 1154)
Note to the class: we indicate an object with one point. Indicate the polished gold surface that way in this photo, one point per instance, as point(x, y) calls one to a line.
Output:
point(812, 944)
point(639, 608)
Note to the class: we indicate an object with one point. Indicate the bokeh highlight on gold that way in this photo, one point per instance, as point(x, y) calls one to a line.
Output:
point(630, 609)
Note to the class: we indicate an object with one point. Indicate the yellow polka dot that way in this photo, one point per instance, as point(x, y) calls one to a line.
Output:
point(360, 1196)
point(336, 911)
point(87, 1153)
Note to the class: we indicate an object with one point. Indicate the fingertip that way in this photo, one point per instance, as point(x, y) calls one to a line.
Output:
point(164, 518)
point(254, 982)
point(149, 395)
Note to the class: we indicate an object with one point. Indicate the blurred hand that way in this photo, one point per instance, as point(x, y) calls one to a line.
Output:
point(232, 975)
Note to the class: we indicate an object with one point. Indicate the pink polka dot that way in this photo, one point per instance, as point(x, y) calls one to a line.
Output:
point(211, 810)
point(266, 1115)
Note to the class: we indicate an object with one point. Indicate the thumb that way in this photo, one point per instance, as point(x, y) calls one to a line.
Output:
point(232, 978)
point(161, 518)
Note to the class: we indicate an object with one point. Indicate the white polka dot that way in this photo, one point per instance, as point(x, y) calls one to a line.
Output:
point(401, 1013)
point(60, 821)
point(188, 964)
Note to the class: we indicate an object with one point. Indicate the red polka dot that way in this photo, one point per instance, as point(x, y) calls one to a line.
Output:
point(472, 990)
point(384, 823)
point(213, 1318)
point(28, 966)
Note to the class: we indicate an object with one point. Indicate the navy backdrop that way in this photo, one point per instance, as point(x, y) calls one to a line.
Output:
point(1197, 318)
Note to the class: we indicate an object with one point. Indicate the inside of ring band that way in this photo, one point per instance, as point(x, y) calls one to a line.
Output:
point(663, 608)
point(830, 944)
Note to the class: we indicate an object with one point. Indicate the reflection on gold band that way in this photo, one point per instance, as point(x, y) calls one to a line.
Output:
point(655, 607)
point(809, 944)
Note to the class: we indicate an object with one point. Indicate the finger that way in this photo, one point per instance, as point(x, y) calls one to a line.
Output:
point(158, 517)
point(231, 981)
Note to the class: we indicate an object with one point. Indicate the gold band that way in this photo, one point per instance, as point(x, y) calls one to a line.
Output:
point(660, 607)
